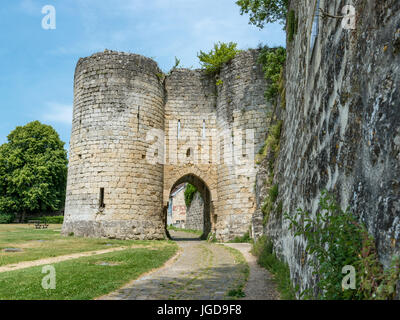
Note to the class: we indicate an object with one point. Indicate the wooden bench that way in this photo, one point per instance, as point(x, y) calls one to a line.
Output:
point(38, 224)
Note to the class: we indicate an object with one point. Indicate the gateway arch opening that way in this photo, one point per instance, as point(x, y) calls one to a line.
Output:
point(189, 209)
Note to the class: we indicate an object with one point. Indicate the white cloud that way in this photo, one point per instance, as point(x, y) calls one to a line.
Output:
point(59, 113)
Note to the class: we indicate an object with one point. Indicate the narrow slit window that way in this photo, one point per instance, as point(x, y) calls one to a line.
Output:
point(138, 119)
point(204, 129)
point(101, 201)
point(233, 148)
point(179, 128)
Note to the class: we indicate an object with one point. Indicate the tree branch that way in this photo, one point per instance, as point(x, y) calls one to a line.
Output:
point(325, 14)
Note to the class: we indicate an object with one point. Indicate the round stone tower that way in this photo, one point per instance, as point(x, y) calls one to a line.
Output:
point(115, 184)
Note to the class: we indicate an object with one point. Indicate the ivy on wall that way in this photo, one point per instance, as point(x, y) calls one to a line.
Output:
point(292, 25)
point(270, 150)
point(189, 194)
point(272, 61)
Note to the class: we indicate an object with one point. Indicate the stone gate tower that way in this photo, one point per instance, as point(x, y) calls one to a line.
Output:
point(137, 133)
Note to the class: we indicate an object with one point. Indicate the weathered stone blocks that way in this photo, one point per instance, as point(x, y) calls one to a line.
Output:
point(136, 134)
point(118, 99)
point(340, 126)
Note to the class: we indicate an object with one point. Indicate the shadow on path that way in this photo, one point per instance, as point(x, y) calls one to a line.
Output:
point(183, 236)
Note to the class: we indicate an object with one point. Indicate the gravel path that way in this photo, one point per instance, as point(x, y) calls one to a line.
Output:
point(260, 285)
point(201, 271)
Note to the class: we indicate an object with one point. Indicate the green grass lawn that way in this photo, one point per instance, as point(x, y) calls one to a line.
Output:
point(84, 278)
point(198, 232)
point(244, 270)
point(43, 243)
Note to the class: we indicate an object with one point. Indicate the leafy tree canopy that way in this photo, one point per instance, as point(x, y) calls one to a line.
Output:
point(33, 170)
point(222, 53)
point(264, 11)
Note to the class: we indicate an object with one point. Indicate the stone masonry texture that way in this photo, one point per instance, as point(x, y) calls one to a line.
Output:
point(195, 213)
point(137, 134)
point(341, 126)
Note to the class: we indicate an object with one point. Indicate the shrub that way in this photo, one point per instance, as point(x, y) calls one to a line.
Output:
point(271, 148)
point(272, 61)
point(52, 219)
point(271, 144)
point(177, 63)
point(292, 22)
point(335, 239)
point(236, 293)
point(6, 218)
point(222, 53)
point(269, 202)
point(243, 239)
point(211, 237)
point(273, 193)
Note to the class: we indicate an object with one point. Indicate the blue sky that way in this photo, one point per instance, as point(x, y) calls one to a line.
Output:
point(37, 65)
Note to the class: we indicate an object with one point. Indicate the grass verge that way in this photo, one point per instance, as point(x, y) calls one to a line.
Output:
point(85, 278)
point(263, 250)
point(243, 239)
point(197, 232)
point(44, 243)
point(238, 292)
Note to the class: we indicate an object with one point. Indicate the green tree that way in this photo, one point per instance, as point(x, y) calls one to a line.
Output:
point(222, 53)
point(264, 11)
point(33, 170)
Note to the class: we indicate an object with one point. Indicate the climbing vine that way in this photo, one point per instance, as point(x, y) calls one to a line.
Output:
point(269, 202)
point(292, 25)
point(271, 145)
point(272, 61)
point(270, 150)
point(189, 194)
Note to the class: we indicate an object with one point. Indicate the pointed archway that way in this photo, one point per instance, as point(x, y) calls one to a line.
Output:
point(205, 193)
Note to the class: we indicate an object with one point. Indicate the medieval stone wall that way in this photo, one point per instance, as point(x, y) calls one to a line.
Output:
point(126, 154)
point(341, 129)
point(190, 104)
point(195, 213)
point(241, 121)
